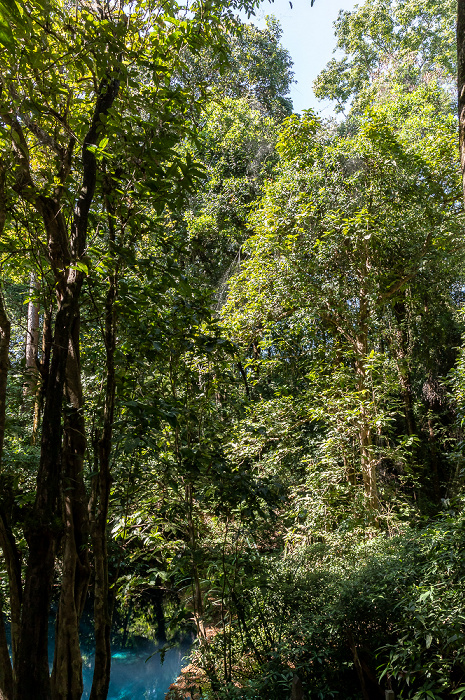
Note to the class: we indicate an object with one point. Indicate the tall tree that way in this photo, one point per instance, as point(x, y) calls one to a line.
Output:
point(340, 235)
point(109, 103)
point(461, 84)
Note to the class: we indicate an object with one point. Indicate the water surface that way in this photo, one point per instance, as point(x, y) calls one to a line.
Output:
point(135, 676)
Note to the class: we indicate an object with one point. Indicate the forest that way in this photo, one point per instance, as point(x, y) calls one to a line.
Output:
point(232, 356)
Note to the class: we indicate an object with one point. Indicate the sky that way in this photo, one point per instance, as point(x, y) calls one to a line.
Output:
point(308, 35)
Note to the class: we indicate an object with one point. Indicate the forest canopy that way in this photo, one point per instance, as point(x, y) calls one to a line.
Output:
point(232, 372)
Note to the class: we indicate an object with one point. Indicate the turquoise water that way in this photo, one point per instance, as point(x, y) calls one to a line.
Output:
point(135, 676)
point(136, 673)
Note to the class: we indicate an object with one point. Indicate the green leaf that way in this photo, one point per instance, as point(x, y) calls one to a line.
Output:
point(6, 35)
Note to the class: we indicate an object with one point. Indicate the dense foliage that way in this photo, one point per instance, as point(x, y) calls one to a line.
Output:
point(232, 375)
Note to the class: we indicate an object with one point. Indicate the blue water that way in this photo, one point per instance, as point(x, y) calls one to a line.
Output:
point(135, 676)
point(136, 673)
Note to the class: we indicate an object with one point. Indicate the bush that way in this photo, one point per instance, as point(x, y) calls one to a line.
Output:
point(387, 613)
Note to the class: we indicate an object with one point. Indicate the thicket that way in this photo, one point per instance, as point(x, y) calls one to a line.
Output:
point(232, 337)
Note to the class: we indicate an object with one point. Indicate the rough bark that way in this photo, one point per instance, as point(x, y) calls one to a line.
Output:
point(5, 328)
point(434, 458)
point(100, 500)
point(297, 692)
point(358, 666)
point(66, 680)
point(44, 529)
point(159, 615)
point(461, 83)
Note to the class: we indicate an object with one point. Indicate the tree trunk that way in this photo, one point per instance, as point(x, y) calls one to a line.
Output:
point(99, 511)
point(368, 465)
point(13, 567)
point(358, 666)
point(67, 683)
point(159, 615)
point(461, 83)
point(32, 340)
point(5, 329)
point(6, 672)
point(403, 366)
point(196, 589)
point(5, 326)
point(45, 528)
point(434, 458)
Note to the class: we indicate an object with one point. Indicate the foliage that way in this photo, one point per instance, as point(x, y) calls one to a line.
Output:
point(384, 41)
point(392, 605)
point(267, 331)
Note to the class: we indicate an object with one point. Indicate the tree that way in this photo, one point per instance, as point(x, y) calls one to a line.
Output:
point(113, 97)
point(461, 83)
point(347, 225)
point(409, 42)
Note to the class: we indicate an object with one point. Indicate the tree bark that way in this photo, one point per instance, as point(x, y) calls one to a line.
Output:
point(196, 588)
point(44, 529)
point(13, 567)
point(66, 680)
point(358, 666)
point(100, 501)
point(5, 329)
point(403, 367)
point(32, 340)
point(159, 615)
point(461, 83)
point(5, 326)
point(6, 672)
point(368, 465)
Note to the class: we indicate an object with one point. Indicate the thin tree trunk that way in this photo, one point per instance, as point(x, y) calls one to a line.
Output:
point(196, 589)
point(403, 367)
point(349, 470)
point(5, 326)
point(99, 512)
point(368, 465)
point(32, 340)
point(461, 83)
point(434, 458)
point(159, 615)
point(5, 329)
point(13, 566)
point(6, 672)
point(358, 666)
